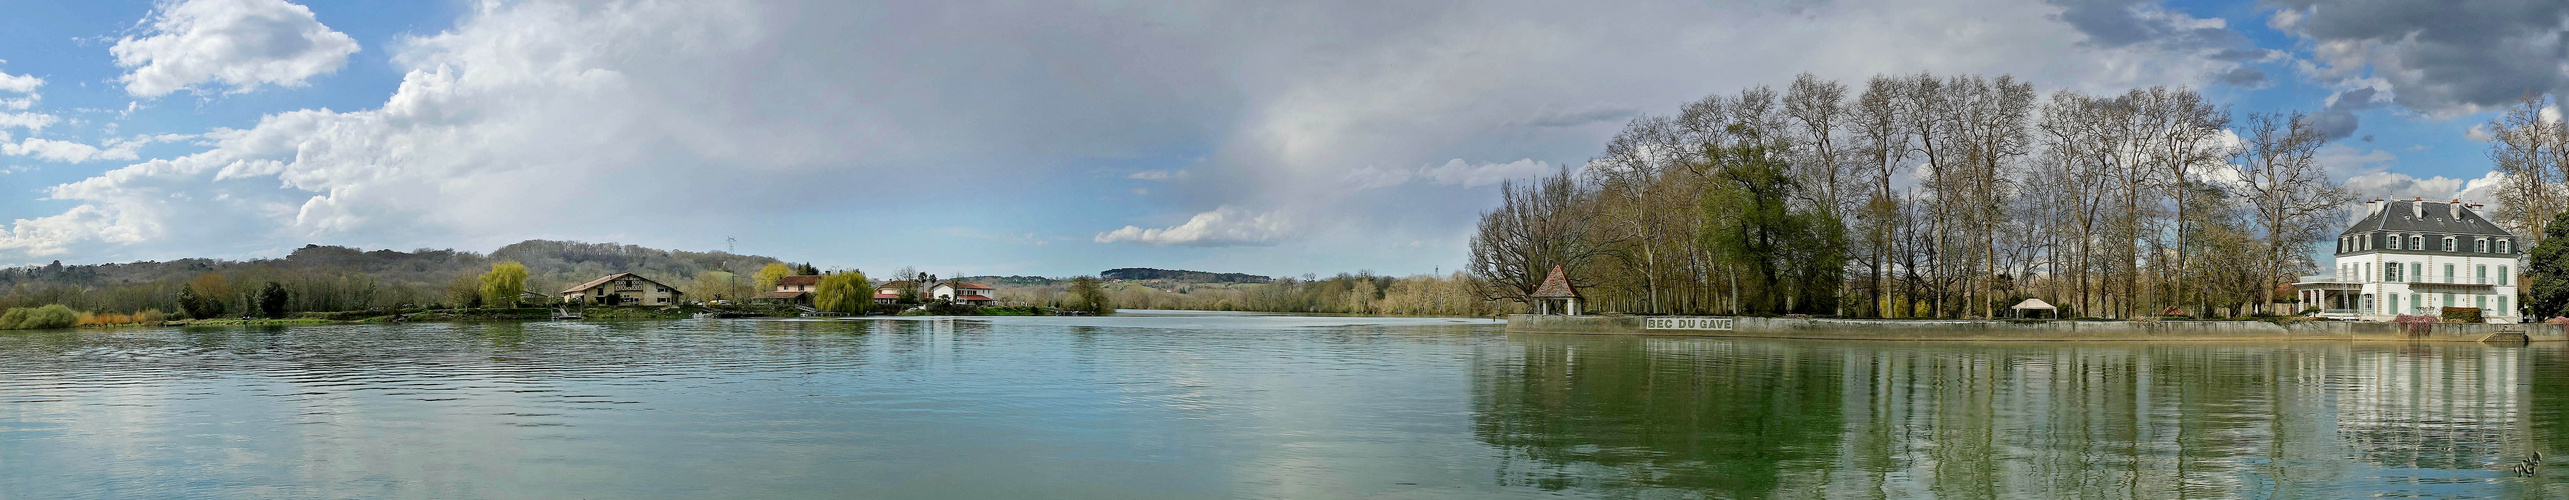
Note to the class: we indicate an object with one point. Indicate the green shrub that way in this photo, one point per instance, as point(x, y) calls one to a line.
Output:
point(47, 317)
point(2462, 315)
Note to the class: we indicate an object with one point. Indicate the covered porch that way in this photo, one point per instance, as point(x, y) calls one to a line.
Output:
point(2335, 298)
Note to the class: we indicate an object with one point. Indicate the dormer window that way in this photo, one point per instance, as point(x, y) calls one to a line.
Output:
point(2395, 242)
point(2416, 242)
point(2448, 243)
point(2480, 245)
point(2505, 246)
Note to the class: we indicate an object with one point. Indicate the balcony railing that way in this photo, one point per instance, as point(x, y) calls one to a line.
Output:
point(2413, 280)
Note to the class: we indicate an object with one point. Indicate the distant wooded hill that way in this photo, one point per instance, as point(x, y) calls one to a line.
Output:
point(329, 278)
point(1182, 276)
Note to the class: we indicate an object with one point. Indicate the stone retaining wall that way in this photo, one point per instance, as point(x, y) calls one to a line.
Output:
point(1979, 330)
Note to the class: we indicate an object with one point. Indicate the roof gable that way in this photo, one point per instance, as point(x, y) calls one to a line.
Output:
point(1555, 286)
point(611, 277)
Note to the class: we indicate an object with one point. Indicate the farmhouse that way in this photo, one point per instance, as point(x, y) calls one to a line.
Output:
point(2419, 257)
point(622, 289)
point(889, 292)
point(962, 293)
point(796, 289)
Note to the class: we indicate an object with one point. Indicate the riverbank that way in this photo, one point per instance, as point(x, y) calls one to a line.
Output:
point(2056, 331)
point(427, 316)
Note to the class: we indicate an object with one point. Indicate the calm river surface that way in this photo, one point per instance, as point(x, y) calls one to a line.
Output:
point(1235, 406)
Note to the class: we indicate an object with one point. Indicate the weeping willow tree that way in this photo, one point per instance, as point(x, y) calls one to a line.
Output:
point(843, 292)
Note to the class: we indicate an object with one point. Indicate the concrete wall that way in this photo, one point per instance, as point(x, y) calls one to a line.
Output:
point(1970, 330)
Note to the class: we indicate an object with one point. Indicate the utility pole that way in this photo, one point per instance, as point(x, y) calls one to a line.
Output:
point(731, 245)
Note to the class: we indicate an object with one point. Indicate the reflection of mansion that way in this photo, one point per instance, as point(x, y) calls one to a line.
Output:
point(2418, 257)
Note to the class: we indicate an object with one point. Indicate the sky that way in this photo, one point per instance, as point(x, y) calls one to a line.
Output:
point(1068, 137)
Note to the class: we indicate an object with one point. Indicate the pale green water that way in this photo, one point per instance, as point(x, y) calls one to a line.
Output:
point(1248, 407)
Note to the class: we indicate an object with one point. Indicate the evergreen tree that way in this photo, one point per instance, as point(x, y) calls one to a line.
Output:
point(2546, 272)
point(1792, 256)
point(272, 300)
point(198, 305)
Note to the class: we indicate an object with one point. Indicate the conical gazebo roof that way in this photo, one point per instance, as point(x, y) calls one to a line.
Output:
point(2033, 304)
point(1555, 286)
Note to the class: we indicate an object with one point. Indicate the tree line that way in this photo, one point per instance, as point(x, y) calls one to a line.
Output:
point(318, 278)
point(1926, 196)
point(1456, 294)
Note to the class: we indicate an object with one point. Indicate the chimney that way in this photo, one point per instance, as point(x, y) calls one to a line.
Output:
point(2373, 207)
point(2454, 209)
point(2417, 208)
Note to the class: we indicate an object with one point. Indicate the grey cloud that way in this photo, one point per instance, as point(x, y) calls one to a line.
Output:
point(2439, 57)
point(2246, 54)
point(2118, 23)
point(2338, 124)
point(2339, 119)
point(1579, 116)
point(2245, 76)
point(2110, 23)
point(538, 104)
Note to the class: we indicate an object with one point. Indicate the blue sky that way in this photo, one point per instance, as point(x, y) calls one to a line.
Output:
point(1065, 137)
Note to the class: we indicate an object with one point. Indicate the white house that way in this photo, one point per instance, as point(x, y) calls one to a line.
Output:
point(2418, 257)
point(962, 293)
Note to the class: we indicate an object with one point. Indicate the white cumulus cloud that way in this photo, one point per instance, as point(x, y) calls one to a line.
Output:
point(243, 43)
point(1225, 226)
point(556, 118)
point(19, 83)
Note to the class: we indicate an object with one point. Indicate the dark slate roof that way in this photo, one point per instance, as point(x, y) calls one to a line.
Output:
point(2435, 217)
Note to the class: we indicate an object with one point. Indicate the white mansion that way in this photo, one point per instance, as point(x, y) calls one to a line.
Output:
point(2417, 257)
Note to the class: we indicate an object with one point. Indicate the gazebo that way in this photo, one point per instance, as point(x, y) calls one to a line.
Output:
point(1556, 287)
point(2035, 305)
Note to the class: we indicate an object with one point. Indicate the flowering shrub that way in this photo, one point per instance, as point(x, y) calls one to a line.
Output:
point(2416, 324)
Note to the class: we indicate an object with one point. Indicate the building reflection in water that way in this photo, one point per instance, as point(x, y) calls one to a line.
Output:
point(1793, 419)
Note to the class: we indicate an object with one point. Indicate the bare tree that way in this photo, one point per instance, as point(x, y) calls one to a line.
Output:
point(1537, 225)
point(2293, 204)
point(2530, 151)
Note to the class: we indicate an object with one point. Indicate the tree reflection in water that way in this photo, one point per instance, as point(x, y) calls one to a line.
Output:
point(1763, 418)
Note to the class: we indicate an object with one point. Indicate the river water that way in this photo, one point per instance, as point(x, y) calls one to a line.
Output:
point(1242, 406)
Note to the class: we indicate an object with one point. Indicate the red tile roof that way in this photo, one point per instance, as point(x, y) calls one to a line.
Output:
point(1555, 286)
point(887, 295)
point(802, 279)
